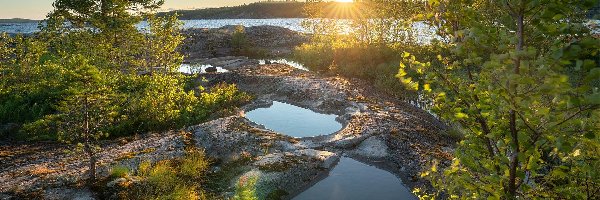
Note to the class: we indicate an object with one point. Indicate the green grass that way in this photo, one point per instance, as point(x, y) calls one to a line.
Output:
point(179, 178)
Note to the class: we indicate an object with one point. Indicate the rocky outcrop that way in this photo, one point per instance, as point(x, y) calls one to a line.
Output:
point(209, 43)
point(279, 162)
point(594, 26)
point(41, 169)
point(377, 129)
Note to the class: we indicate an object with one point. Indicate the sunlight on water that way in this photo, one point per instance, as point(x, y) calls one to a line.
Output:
point(198, 69)
point(287, 62)
point(351, 179)
point(294, 121)
point(294, 24)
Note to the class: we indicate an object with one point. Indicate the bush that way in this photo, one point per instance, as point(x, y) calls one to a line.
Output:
point(243, 47)
point(239, 41)
point(377, 64)
point(119, 172)
point(148, 94)
point(317, 57)
point(39, 130)
point(246, 189)
point(167, 179)
point(194, 162)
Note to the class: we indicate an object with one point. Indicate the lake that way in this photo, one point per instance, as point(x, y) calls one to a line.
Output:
point(291, 23)
point(351, 179)
point(294, 121)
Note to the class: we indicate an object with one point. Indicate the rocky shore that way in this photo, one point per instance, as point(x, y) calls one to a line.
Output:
point(272, 41)
point(377, 130)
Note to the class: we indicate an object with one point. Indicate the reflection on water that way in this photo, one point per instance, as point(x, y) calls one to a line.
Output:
point(294, 121)
point(198, 69)
point(294, 64)
point(351, 179)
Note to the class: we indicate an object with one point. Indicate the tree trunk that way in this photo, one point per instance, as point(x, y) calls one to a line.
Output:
point(514, 157)
point(88, 148)
point(92, 164)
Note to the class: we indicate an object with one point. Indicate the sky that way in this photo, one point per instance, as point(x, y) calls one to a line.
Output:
point(37, 9)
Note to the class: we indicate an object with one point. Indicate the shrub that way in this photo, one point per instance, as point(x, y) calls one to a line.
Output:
point(42, 129)
point(246, 189)
point(374, 63)
point(243, 47)
point(162, 177)
point(317, 57)
point(239, 41)
point(182, 193)
point(194, 163)
point(119, 172)
point(168, 179)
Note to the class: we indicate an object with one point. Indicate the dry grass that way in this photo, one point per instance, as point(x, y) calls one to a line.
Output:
point(5, 154)
point(41, 170)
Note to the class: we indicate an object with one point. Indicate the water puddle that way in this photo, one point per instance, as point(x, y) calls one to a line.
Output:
point(198, 69)
point(294, 64)
point(294, 121)
point(351, 179)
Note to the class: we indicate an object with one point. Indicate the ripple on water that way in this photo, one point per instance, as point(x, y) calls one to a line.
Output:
point(294, 121)
point(351, 179)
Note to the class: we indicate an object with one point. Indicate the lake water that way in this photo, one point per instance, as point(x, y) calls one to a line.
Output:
point(351, 179)
point(294, 64)
point(15, 28)
point(294, 121)
point(292, 24)
point(198, 69)
point(425, 33)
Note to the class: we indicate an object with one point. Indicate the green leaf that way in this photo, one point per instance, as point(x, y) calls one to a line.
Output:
point(590, 135)
point(578, 65)
point(594, 74)
point(427, 88)
point(593, 99)
point(419, 17)
point(559, 173)
point(558, 17)
point(461, 115)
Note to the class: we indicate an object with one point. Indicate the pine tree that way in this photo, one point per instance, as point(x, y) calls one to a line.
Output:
point(87, 111)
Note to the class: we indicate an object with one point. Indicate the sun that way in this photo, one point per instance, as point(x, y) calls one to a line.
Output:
point(347, 1)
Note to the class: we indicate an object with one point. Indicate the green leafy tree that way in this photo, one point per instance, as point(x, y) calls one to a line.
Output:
point(521, 78)
point(239, 41)
point(375, 21)
point(107, 16)
point(143, 61)
point(161, 44)
point(87, 111)
point(30, 84)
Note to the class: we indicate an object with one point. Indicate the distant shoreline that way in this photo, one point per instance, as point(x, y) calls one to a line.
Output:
point(19, 20)
point(264, 10)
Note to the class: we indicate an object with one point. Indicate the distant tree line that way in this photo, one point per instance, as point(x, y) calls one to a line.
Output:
point(259, 10)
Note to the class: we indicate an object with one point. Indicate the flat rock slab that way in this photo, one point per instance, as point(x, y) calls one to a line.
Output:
point(376, 127)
